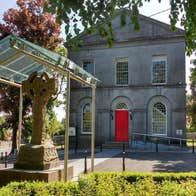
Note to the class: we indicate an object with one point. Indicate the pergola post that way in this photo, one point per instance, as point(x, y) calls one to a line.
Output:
point(20, 119)
point(92, 129)
point(66, 145)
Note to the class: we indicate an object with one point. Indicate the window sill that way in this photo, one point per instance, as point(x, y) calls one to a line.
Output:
point(122, 85)
point(86, 133)
point(159, 84)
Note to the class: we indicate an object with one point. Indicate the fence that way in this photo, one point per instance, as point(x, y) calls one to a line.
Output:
point(169, 141)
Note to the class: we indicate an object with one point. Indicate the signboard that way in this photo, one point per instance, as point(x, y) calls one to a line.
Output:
point(179, 132)
point(72, 131)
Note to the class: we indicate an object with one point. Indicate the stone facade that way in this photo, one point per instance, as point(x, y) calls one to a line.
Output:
point(140, 94)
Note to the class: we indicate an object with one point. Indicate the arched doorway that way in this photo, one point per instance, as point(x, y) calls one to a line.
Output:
point(121, 123)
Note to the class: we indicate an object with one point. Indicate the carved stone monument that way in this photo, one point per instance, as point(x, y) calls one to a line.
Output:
point(40, 154)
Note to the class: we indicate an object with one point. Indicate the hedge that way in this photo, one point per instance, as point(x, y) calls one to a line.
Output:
point(40, 189)
point(110, 184)
point(138, 184)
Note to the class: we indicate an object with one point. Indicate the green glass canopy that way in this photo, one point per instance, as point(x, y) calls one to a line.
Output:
point(19, 58)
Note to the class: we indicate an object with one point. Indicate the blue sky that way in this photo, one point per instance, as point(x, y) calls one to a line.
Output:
point(148, 9)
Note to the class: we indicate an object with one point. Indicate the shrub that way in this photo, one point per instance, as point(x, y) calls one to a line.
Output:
point(40, 189)
point(138, 184)
point(110, 184)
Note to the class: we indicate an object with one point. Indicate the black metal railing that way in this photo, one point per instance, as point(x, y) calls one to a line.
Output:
point(168, 141)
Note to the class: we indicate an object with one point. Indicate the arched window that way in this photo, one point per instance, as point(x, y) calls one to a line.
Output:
point(86, 118)
point(159, 119)
point(121, 106)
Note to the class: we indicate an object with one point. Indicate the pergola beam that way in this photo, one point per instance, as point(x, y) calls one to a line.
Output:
point(10, 83)
point(61, 70)
point(66, 142)
point(20, 118)
point(92, 129)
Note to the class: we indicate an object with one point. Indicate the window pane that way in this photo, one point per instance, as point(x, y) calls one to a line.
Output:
point(159, 71)
point(89, 67)
point(86, 118)
point(159, 121)
point(121, 106)
point(122, 73)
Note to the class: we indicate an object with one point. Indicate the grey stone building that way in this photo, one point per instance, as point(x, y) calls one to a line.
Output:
point(142, 88)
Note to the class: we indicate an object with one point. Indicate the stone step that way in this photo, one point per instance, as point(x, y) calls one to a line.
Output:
point(115, 145)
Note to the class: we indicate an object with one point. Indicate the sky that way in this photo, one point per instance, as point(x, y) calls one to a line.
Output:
point(148, 9)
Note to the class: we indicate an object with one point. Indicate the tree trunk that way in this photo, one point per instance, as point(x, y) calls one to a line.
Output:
point(14, 139)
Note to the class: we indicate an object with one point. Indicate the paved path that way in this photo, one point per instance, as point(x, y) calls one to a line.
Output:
point(77, 160)
point(78, 165)
point(111, 160)
point(151, 162)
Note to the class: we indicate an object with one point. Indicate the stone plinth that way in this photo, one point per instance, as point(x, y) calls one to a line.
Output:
point(37, 157)
point(56, 174)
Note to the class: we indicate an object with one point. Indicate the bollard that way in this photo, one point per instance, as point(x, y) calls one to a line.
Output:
point(157, 148)
point(75, 150)
point(85, 162)
point(6, 161)
point(123, 147)
point(123, 161)
point(101, 148)
point(1, 155)
point(193, 147)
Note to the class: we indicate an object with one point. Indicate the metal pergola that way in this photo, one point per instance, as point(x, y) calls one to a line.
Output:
point(19, 58)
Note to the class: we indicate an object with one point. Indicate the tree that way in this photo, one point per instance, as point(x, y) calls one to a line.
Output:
point(191, 102)
point(98, 14)
point(9, 104)
point(53, 126)
point(31, 22)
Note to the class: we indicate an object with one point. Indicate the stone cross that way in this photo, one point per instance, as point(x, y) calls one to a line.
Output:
point(39, 90)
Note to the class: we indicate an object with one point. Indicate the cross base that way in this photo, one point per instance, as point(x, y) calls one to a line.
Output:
point(37, 157)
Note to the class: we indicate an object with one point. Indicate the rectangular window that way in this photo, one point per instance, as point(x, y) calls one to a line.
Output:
point(122, 73)
point(89, 67)
point(159, 69)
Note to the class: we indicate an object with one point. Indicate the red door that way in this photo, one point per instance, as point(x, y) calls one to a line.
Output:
point(121, 126)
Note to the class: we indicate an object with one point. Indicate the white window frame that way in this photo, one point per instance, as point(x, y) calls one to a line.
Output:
point(157, 59)
point(121, 60)
point(84, 132)
point(166, 111)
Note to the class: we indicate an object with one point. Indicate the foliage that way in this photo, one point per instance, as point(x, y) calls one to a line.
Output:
point(60, 49)
point(31, 22)
point(40, 188)
point(191, 101)
point(5, 134)
point(127, 183)
point(111, 184)
point(27, 130)
point(53, 126)
point(96, 14)
point(9, 104)
point(2, 131)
